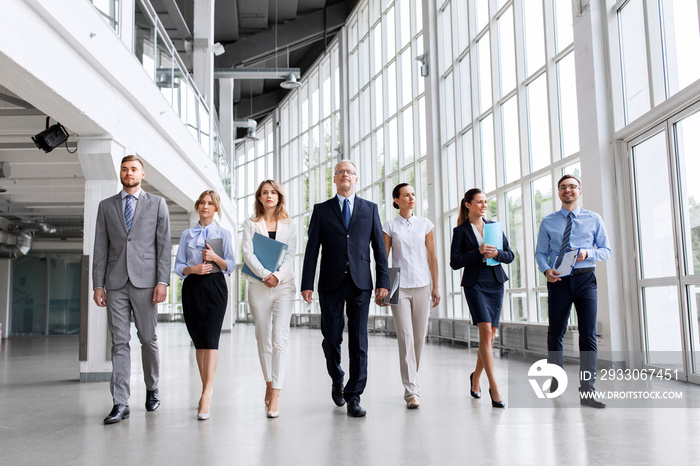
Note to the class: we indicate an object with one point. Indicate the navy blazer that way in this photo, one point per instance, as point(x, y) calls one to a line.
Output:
point(340, 246)
point(465, 253)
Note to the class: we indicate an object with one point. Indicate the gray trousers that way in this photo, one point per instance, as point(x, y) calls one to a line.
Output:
point(120, 304)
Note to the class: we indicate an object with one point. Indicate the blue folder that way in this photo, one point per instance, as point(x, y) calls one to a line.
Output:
point(493, 235)
point(269, 252)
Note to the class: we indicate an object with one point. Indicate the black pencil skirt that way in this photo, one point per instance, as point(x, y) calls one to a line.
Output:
point(204, 299)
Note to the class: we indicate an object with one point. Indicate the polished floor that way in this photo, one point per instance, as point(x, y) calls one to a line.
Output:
point(48, 417)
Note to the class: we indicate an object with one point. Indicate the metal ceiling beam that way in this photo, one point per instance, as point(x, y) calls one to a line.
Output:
point(176, 17)
point(301, 30)
point(15, 101)
point(256, 73)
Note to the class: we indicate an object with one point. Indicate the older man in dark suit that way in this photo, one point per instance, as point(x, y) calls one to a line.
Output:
point(130, 273)
point(344, 227)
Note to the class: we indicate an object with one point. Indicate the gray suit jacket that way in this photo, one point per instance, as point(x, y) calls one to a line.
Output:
point(141, 255)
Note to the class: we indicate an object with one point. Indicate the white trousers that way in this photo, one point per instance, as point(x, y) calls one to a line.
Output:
point(272, 311)
point(411, 324)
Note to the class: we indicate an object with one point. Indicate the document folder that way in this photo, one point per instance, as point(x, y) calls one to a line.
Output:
point(394, 278)
point(269, 252)
point(493, 235)
point(216, 245)
point(567, 263)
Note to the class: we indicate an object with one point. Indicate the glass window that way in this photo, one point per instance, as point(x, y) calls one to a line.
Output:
point(465, 103)
point(488, 159)
point(407, 68)
point(376, 49)
point(654, 209)
point(635, 78)
point(516, 237)
point(391, 89)
point(538, 123)
point(446, 36)
point(688, 140)
point(405, 25)
point(533, 18)
point(511, 139)
point(568, 108)
point(507, 51)
point(482, 14)
point(449, 107)
point(681, 38)
point(563, 24)
point(378, 101)
point(483, 54)
point(390, 34)
point(463, 29)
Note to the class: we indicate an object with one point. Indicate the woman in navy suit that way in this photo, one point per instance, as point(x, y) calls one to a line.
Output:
point(483, 284)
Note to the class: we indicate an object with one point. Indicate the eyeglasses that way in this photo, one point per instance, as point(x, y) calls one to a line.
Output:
point(346, 172)
point(564, 187)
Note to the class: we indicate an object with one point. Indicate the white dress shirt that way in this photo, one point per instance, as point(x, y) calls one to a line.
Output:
point(408, 249)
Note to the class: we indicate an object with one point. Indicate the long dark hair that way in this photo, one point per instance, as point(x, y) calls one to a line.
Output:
point(397, 192)
point(280, 211)
point(463, 211)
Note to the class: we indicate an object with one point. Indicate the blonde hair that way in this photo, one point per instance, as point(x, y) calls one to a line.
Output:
point(280, 211)
point(215, 199)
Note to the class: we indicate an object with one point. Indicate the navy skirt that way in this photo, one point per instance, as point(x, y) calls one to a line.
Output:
point(204, 300)
point(485, 298)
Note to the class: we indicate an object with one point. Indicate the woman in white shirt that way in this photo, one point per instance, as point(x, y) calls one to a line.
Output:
point(414, 251)
point(204, 293)
point(271, 300)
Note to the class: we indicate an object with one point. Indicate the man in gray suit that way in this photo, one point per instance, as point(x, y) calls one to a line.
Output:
point(130, 273)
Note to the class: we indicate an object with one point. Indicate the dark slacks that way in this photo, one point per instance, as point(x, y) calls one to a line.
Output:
point(356, 304)
point(582, 291)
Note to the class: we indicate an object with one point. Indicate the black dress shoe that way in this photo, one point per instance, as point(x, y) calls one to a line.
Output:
point(496, 404)
point(355, 410)
point(338, 394)
point(471, 384)
point(152, 400)
point(591, 401)
point(118, 413)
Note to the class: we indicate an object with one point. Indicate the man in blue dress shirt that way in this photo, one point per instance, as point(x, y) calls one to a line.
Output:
point(570, 228)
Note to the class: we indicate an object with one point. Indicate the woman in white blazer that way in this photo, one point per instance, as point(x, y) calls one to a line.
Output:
point(271, 300)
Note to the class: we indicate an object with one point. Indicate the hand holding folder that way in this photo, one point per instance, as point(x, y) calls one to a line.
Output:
point(392, 296)
point(269, 252)
point(493, 235)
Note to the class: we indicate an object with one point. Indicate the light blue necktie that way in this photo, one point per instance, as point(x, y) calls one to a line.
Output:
point(566, 240)
point(346, 213)
point(129, 211)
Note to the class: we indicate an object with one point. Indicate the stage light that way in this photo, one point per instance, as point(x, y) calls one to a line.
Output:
point(52, 137)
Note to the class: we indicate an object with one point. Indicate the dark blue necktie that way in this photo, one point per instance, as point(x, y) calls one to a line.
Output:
point(566, 240)
point(346, 213)
point(129, 211)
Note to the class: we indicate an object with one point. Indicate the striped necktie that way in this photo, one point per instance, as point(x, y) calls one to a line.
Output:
point(566, 240)
point(129, 211)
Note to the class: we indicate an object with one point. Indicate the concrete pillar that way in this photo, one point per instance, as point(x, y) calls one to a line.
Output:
point(598, 165)
point(227, 136)
point(5, 287)
point(99, 159)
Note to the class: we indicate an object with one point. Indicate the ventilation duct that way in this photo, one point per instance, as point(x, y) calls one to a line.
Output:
point(14, 245)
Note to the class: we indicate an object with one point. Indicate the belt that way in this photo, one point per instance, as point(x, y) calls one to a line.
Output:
point(582, 270)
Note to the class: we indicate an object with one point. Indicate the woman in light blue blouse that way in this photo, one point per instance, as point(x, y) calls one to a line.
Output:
point(204, 292)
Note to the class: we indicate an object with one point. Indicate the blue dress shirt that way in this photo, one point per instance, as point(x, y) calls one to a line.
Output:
point(587, 233)
point(189, 253)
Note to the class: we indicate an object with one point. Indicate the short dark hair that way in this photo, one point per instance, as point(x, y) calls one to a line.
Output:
point(132, 158)
point(566, 177)
point(397, 192)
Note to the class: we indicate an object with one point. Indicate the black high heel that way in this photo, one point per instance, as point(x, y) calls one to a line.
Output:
point(471, 383)
point(496, 404)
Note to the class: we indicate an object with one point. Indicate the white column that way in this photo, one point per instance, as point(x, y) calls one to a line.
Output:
point(227, 136)
point(126, 25)
point(5, 287)
point(99, 159)
point(597, 165)
point(203, 56)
